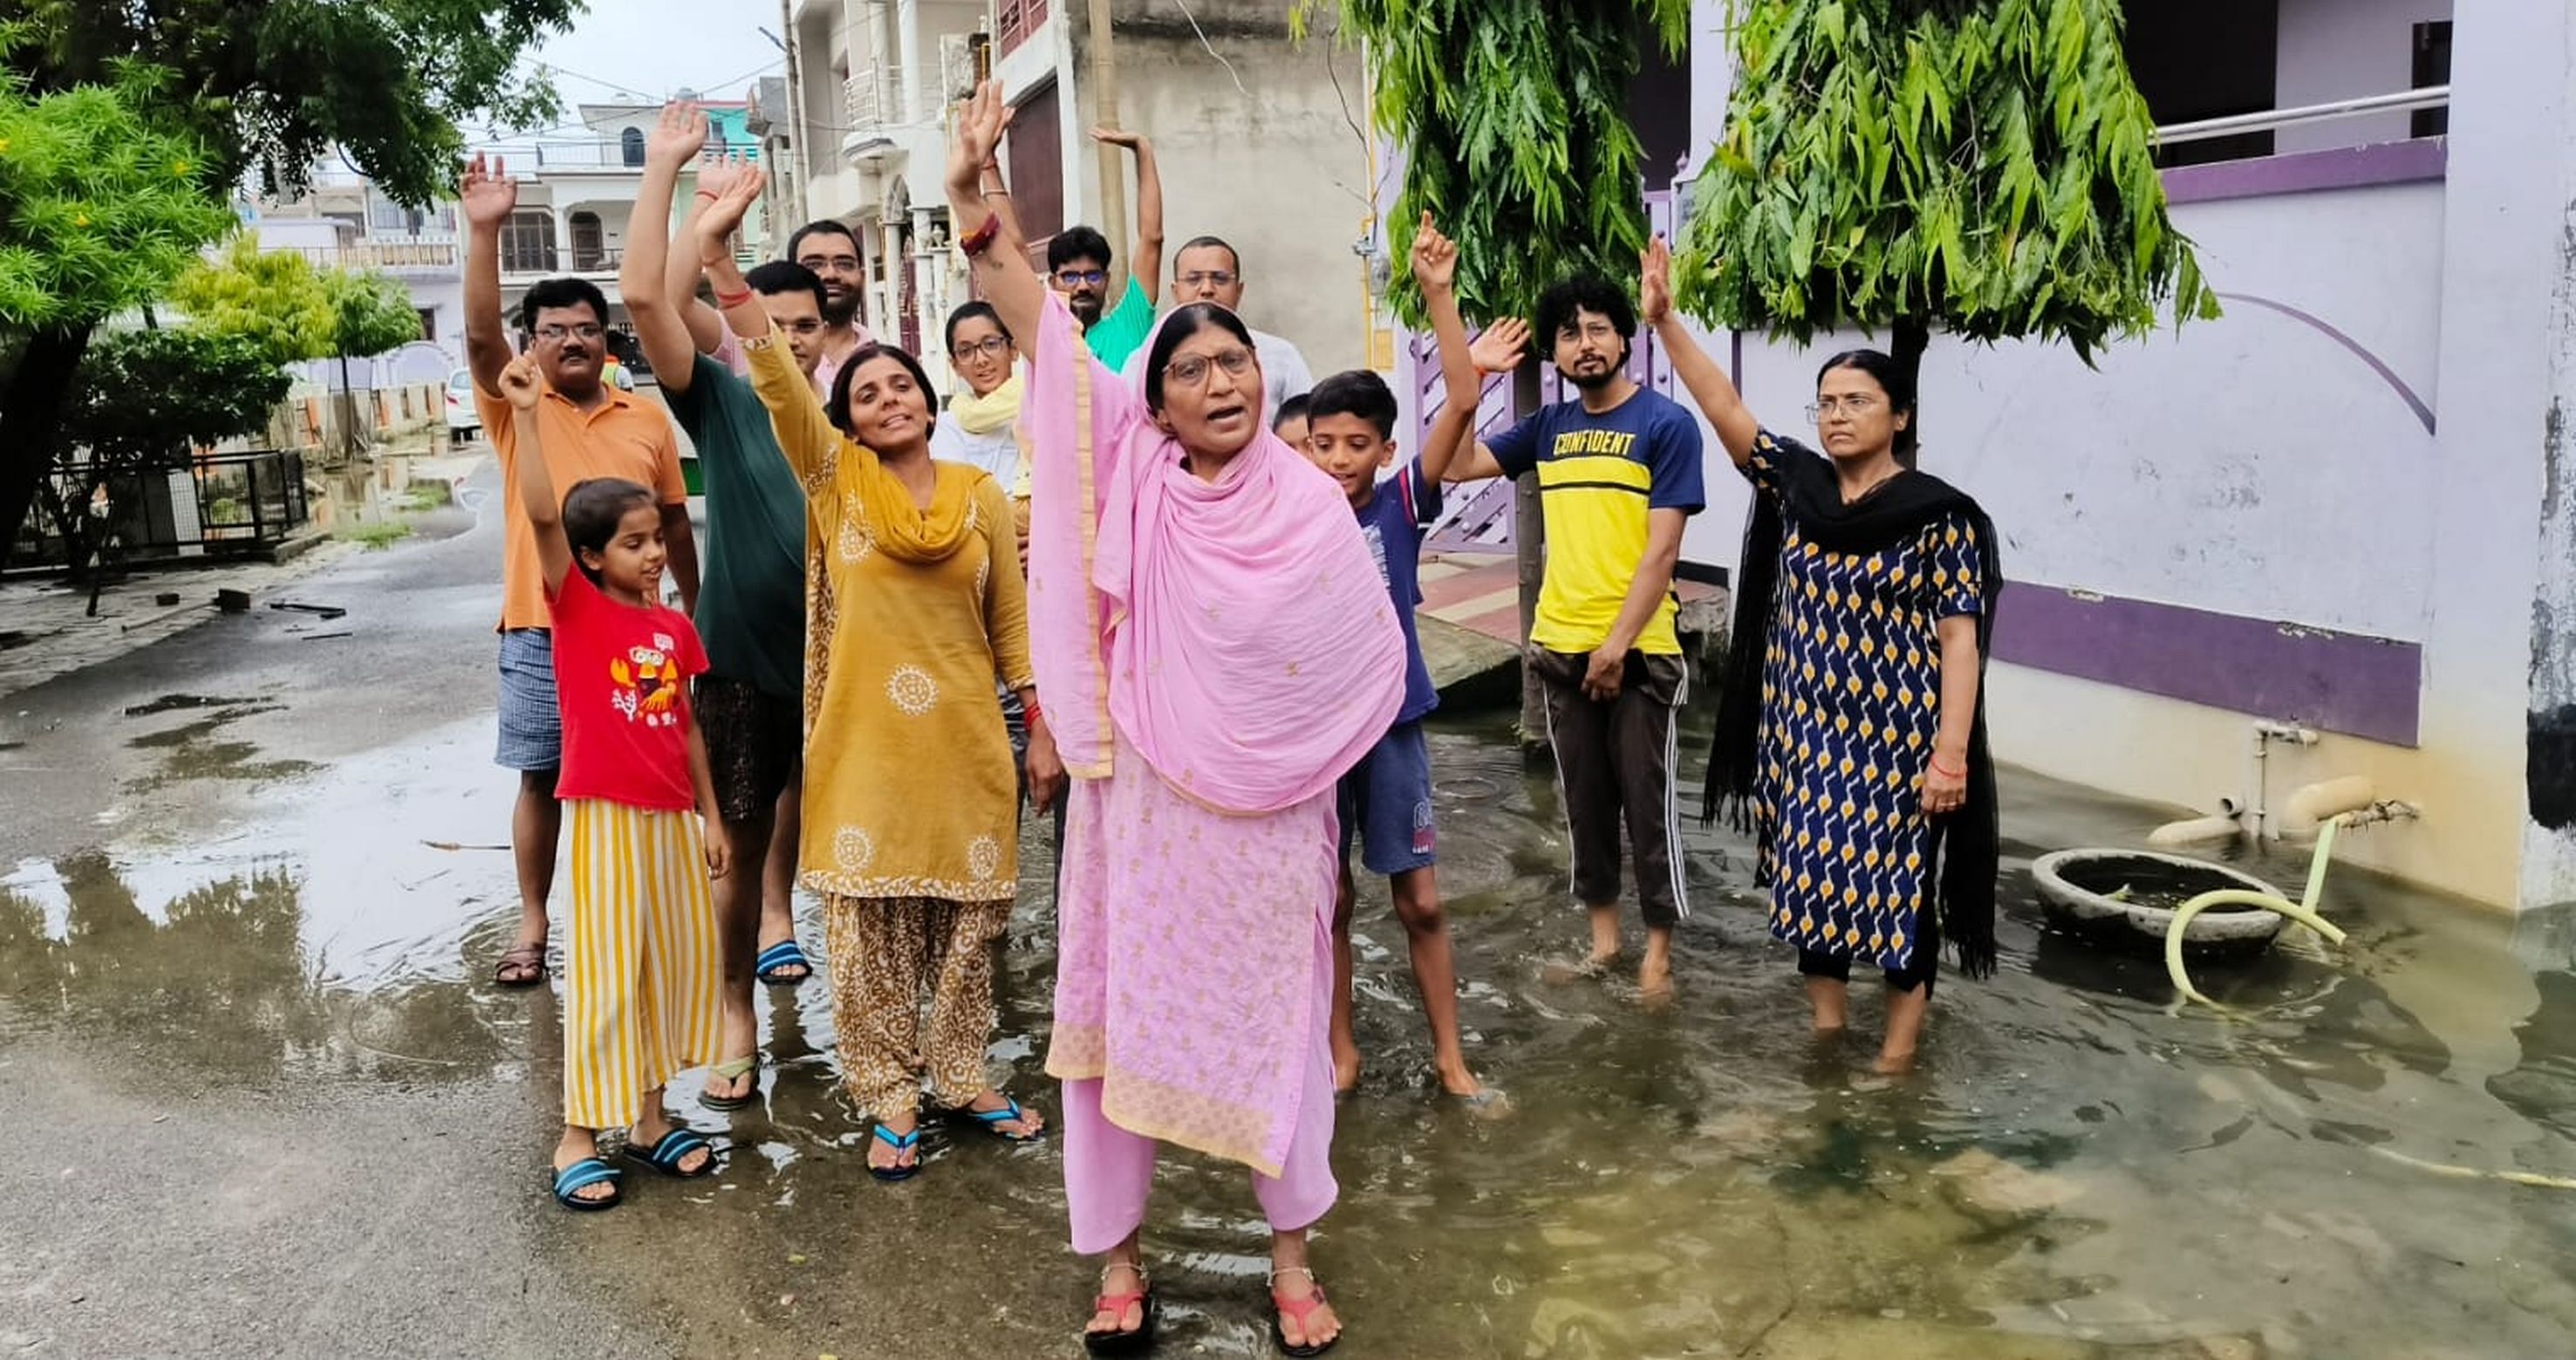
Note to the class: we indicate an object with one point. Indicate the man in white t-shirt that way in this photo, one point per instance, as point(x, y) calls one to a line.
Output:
point(1209, 270)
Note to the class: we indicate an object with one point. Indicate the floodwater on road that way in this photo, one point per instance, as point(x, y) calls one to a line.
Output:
point(2079, 1169)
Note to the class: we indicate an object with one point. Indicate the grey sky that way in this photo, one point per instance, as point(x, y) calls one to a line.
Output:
point(641, 50)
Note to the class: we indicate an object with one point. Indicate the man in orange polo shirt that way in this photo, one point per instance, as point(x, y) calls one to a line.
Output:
point(588, 429)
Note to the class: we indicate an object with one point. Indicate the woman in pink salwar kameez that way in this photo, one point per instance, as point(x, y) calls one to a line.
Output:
point(1214, 648)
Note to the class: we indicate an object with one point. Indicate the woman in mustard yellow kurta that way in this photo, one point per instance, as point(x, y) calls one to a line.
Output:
point(914, 606)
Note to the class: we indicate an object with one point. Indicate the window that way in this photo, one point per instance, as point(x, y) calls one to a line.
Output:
point(2196, 59)
point(631, 144)
point(528, 242)
point(2432, 67)
point(1659, 100)
point(589, 247)
point(428, 322)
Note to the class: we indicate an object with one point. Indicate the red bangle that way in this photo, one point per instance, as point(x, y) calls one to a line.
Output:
point(729, 301)
point(981, 239)
point(709, 193)
point(1031, 713)
point(1938, 768)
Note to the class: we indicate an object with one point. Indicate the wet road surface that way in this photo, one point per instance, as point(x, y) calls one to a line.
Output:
point(264, 1101)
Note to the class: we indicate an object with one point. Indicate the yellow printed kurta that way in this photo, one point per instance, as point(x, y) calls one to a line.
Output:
point(910, 786)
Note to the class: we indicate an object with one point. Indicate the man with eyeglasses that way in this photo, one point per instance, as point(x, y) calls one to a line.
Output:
point(1207, 269)
point(1078, 264)
point(749, 704)
point(831, 250)
point(1618, 472)
point(587, 429)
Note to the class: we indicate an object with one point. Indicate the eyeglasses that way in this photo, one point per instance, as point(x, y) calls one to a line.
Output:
point(1193, 371)
point(838, 264)
point(801, 326)
point(1590, 330)
point(1207, 278)
point(556, 335)
point(990, 347)
point(1854, 406)
point(1075, 278)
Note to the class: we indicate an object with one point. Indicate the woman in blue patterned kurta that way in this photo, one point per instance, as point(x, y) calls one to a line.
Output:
point(1851, 731)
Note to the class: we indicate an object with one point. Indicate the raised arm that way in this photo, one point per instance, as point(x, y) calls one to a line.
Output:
point(1435, 268)
point(997, 196)
point(642, 277)
point(518, 384)
point(1017, 294)
point(488, 197)
point(1709, 387)
point(1145, 253)
point(795, 413)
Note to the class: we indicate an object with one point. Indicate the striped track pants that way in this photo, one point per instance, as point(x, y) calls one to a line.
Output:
point(643, 976)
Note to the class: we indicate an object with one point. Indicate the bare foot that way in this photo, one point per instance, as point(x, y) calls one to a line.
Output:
point(1893, 1064)
point(1561, 971)
point(1655, 981)
point(1346, 1068)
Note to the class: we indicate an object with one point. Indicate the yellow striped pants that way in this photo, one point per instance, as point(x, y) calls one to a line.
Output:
point(643, 976)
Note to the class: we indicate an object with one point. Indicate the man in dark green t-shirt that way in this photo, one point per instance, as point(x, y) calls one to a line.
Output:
point(1079, 260)
point(751, 606)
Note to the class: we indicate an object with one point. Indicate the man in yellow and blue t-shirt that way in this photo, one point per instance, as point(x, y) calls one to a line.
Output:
point(1618, 471)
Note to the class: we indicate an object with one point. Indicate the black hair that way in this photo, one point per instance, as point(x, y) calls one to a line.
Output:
point(592, 512)
point(968, 311)
point(860, 358)
point(1078, 243)
point(1210, 242)
point(1587, 293)
point(1891, 379)
point(561, 292)
point(1358, 392)
point(1179, 326)
point(824, 226)
point(1292, 409)
point(787, 276)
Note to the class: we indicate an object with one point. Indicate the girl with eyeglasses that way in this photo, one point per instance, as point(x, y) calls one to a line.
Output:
point(1216, 650)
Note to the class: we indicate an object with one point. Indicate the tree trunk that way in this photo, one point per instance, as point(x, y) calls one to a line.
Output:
point(31, 419)
point(348, 413)
point(1911, 337)
point(1529, 549)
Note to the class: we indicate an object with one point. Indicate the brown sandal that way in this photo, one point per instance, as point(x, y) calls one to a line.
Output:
point(521, 965)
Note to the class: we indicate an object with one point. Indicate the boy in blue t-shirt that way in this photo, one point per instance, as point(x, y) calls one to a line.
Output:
point(1386, 799)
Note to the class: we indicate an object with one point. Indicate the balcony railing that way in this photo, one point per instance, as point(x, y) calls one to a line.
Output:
point(2269, 120)
point(393, 255)
point(1016, 20)
point(546, 260)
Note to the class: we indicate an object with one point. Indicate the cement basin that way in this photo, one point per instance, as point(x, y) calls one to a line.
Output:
point(2125, 900)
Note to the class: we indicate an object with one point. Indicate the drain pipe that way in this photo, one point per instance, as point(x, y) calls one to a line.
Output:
point(2267, 731)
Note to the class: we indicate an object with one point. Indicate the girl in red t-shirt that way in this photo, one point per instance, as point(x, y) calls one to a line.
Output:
point(643, 989)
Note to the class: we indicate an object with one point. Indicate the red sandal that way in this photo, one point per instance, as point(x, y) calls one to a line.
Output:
point(1301, 1309)
point(1136, 1342)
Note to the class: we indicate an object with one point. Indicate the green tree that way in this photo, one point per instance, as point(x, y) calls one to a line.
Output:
point(269, 87)
point(141, 401)
point(1513, 119)
point(370, 313)
point(276, 299)
point(1898, 166)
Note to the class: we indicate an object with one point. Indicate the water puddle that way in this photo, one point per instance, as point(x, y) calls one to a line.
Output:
point(2079, 1169)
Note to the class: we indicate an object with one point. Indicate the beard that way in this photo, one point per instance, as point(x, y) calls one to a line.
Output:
point(1591, 382)
point(839, 310)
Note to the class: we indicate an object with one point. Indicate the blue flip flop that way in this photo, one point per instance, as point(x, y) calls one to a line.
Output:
point(587, 1172)
point(901, 1143)
point(666, 1155)
point(784, 954)
point(993, 1120)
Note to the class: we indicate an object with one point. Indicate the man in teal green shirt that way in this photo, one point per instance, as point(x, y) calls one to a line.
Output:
point(1079, 260)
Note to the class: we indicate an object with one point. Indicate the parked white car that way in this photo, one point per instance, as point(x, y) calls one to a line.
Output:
point(462, 421)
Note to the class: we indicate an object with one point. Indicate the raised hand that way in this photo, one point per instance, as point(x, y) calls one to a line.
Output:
point(1435, 257)
point(488, 195)
point(1655, 282)
point(1118, 137)
point(519, 383)
point(717, 174)
point(680, 133)
point(980, 122)
point(726, 211)
point(1502, 346)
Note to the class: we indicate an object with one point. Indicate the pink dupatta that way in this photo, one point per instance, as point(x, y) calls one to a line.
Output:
point(1235, 631)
